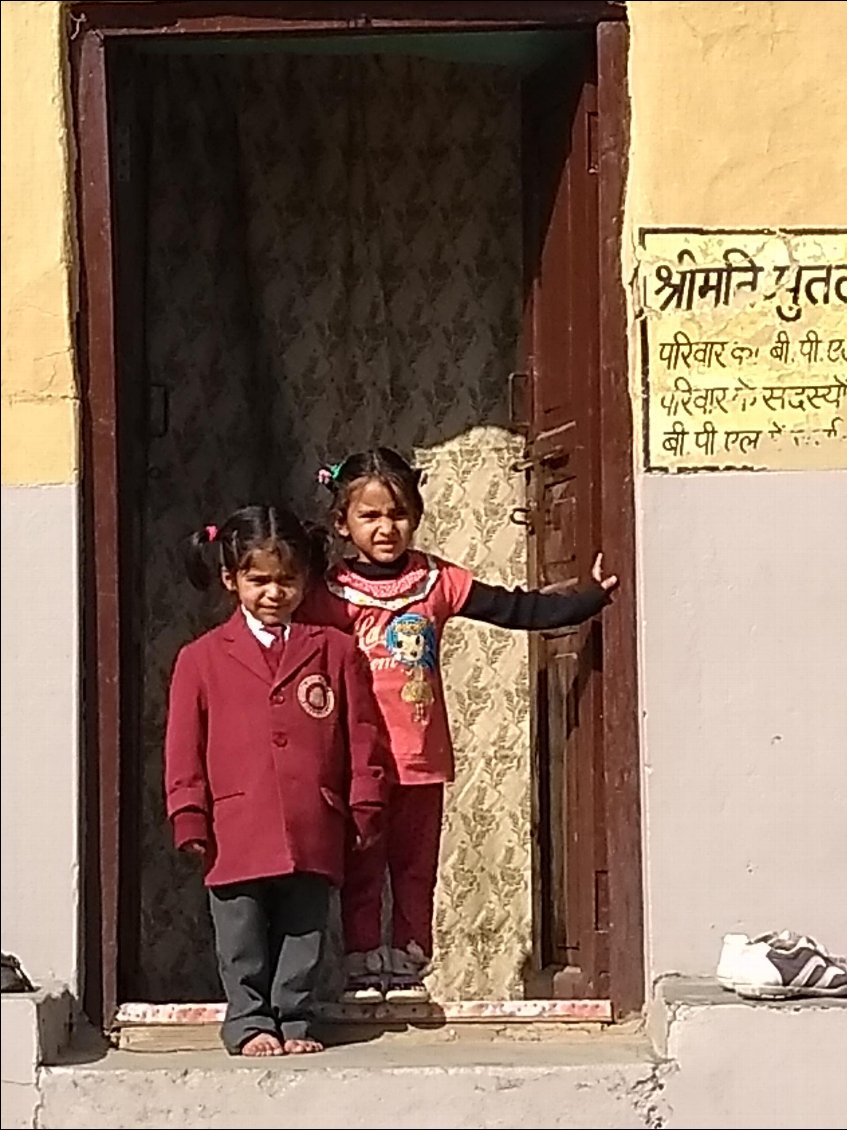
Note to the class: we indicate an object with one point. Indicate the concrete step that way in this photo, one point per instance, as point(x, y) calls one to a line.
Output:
point(779, 1065)
point(706, 1059)
point(581, 1080)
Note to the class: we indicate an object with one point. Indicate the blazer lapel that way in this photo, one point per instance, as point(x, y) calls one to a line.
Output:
point(243, 646)
point(300, 648)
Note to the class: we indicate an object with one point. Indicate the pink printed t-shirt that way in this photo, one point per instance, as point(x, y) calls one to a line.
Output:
point(398, 625)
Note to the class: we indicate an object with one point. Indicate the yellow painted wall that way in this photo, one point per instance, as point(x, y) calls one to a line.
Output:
point(38, 384)
point(738, 118)
point(738, 113)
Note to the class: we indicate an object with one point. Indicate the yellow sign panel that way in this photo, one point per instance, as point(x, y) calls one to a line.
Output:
point(744, 349)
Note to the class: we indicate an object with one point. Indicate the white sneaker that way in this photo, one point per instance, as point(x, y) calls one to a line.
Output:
point(780, 966)
point(733, 945)
point(413, 991)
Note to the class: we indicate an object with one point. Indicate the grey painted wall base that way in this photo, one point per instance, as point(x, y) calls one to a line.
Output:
point(40, 728)
point(743, 623)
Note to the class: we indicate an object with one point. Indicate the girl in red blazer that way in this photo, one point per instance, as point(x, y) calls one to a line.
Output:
point(274, 762)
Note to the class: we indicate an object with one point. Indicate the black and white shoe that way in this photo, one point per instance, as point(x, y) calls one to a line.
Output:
point(365, 978)
point(781, 967)
point(405, 976)
point(14, 980)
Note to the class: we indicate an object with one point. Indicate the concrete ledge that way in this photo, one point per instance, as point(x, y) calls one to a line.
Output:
point(735, 1063)
point(582, 1081)
point(724, 1062)
point(36, 1027)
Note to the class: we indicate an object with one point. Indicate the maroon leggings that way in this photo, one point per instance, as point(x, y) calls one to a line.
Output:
point(409, 849)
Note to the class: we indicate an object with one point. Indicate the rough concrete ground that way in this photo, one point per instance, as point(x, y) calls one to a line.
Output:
point(580, 1080)
point(705, 1060)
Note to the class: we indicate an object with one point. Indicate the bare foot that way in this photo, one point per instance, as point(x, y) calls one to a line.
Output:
point(262, 1044)
point(302, 1047)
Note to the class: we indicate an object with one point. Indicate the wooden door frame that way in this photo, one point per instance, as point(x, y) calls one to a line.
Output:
point(620, 659)
point(91, 28)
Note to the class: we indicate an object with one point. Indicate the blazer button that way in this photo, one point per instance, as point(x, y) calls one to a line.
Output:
point(280, 740)
point(278, 697)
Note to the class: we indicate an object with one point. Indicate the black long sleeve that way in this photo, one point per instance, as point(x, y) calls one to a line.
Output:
point(518, 609)
point(533, 610)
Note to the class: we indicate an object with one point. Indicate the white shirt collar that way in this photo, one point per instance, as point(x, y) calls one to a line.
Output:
point(259, 630)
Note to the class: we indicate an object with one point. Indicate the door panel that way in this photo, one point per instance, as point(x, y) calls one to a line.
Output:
point(562, 347)
point(127, 98)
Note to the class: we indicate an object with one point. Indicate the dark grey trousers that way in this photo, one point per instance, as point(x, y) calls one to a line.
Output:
point(269, 936)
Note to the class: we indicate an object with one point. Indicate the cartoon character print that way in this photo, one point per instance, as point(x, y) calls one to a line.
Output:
point(411, 640)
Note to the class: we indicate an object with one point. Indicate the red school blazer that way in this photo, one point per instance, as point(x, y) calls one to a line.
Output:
point(268, 770)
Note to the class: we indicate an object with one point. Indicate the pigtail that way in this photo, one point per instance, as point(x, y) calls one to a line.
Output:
point(317, 538)
point(198, 558)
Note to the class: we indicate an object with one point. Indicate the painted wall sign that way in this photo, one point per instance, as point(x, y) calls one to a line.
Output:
point(744, 349)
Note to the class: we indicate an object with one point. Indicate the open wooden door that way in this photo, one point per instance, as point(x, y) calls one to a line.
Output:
point(562, 337)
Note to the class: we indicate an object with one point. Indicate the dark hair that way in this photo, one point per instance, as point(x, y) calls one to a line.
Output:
point(381, 463)
point(250, 529)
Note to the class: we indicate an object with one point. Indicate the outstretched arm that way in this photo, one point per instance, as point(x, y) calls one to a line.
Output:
point(556, 606)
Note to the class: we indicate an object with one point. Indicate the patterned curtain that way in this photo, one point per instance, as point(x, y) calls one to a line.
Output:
point(333, 262)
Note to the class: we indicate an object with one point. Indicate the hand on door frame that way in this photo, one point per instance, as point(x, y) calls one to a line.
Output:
point(608, 584)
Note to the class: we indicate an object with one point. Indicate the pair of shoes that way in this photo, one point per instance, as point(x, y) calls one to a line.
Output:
point(780, 966)
point(386, 974)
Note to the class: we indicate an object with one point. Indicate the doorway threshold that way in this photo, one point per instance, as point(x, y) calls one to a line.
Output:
point(143, 1026)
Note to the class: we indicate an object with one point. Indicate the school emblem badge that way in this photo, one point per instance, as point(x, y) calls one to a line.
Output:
point(316, 696)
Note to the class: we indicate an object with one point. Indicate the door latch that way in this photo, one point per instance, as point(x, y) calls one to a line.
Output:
point(522, 516)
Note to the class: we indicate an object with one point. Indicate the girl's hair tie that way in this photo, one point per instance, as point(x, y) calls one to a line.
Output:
point(211, 532)
point(328, 476)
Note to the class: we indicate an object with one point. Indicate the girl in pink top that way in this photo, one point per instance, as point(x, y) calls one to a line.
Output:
point(396, 601)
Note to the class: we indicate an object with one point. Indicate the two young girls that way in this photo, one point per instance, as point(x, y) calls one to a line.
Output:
point(274, 772)
point(273, 738)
